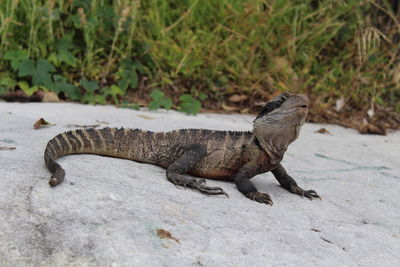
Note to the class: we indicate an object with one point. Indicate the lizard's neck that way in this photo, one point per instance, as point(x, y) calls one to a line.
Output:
point(275, 143)
point(274, 155)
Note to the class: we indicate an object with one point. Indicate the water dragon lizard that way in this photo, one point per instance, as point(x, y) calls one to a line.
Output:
point(210, 154)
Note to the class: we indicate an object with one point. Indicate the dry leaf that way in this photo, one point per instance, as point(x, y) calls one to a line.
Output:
point(326, 240)
point(83, 125)
point(165, 234)
point(396, 75)
point(238, 98)
point(371, 112)
point(372, 129)
point(50, 97)
point(228, 108)
point(339, 104)
point(245, 110)
point(41, 122)
point(323, 131)
point(102, 122)
point(145, 117)
point(7, 148)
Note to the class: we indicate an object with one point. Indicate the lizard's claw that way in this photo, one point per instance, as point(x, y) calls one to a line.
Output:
point(310, 194)
point(260, 197)
point(209, 190)
point(199, 184)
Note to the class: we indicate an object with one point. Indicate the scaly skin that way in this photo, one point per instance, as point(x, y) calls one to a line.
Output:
point(223, 155)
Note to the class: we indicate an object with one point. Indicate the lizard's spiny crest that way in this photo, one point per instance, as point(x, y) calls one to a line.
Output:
point(273, 104)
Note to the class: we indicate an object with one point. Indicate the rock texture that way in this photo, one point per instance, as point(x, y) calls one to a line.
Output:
point(110, 212)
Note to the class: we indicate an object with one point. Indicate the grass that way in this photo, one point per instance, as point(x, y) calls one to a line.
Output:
point(329, 49)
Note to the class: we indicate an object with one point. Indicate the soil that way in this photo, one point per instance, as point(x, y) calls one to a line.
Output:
point(376, 120)
point(368, 120)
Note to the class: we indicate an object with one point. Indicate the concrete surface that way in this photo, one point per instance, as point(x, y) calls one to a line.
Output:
point(108, 211)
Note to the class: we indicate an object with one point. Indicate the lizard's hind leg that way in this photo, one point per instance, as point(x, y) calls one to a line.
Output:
point(192, 154)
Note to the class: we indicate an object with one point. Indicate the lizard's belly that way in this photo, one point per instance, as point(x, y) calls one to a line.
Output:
point(219, 165)
point(217, 174)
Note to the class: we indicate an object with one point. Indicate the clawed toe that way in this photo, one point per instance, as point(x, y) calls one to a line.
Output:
point(209, 190)
point(196, 184)
point(310, 194)
point(260, 197)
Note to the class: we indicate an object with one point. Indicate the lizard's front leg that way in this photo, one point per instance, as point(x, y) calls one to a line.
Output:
point(192, 154)
point(241, 179)
point(290, 184)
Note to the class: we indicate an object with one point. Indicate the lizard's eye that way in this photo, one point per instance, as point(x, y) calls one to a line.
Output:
point(303, 106)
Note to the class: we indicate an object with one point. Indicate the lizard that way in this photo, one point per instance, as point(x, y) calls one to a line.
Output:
point(208, 154)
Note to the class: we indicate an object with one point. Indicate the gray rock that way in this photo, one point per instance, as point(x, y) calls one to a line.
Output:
point(108, 211)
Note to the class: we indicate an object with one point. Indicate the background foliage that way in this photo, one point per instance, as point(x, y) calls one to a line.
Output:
point(96, 51)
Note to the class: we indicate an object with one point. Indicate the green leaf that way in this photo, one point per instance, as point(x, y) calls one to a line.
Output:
point(64, 47)
point(153, 105)
point(128, 79)
point(156, 94)
point(66, 42)
point(90, 86)
point(24, 86)
point(40, 72)
point(7, 82)
point(128, 74)
point(166, 103)
point(44, 66)
point(53, 58)
point(61, 84)
point(94, 99)
point(115, 91)
point(42, 75)
point(159, 100)
point(203, 96)
point(67, 57)
point(100, 99)
point(3, 89)
point(186, 98)
point(16, 57)
point(189, 104)
point(126, 104)
point(26, 68)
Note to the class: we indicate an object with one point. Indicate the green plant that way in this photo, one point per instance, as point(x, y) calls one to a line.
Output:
point(39, 70)
point(115, 92)
point(126, 104)
point(16, 57)
point(326, 48)
point(158, 100)
point(189, 105)
point(61, 84)
point(127, 74)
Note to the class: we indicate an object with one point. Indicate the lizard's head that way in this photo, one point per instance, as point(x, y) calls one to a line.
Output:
point(279, 122)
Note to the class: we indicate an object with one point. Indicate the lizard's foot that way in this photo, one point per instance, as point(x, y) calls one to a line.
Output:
point(260, 197)
point(310, 194)
point(196, 184)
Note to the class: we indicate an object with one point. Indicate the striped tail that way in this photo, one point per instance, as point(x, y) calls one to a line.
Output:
point(133, 144)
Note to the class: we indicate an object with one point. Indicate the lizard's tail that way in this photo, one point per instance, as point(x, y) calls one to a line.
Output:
point(133, 144)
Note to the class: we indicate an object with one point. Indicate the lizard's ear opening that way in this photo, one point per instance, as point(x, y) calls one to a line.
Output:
point(273, 104)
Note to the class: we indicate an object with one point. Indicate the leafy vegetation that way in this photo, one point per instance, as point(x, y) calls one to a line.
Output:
point(96, 51)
